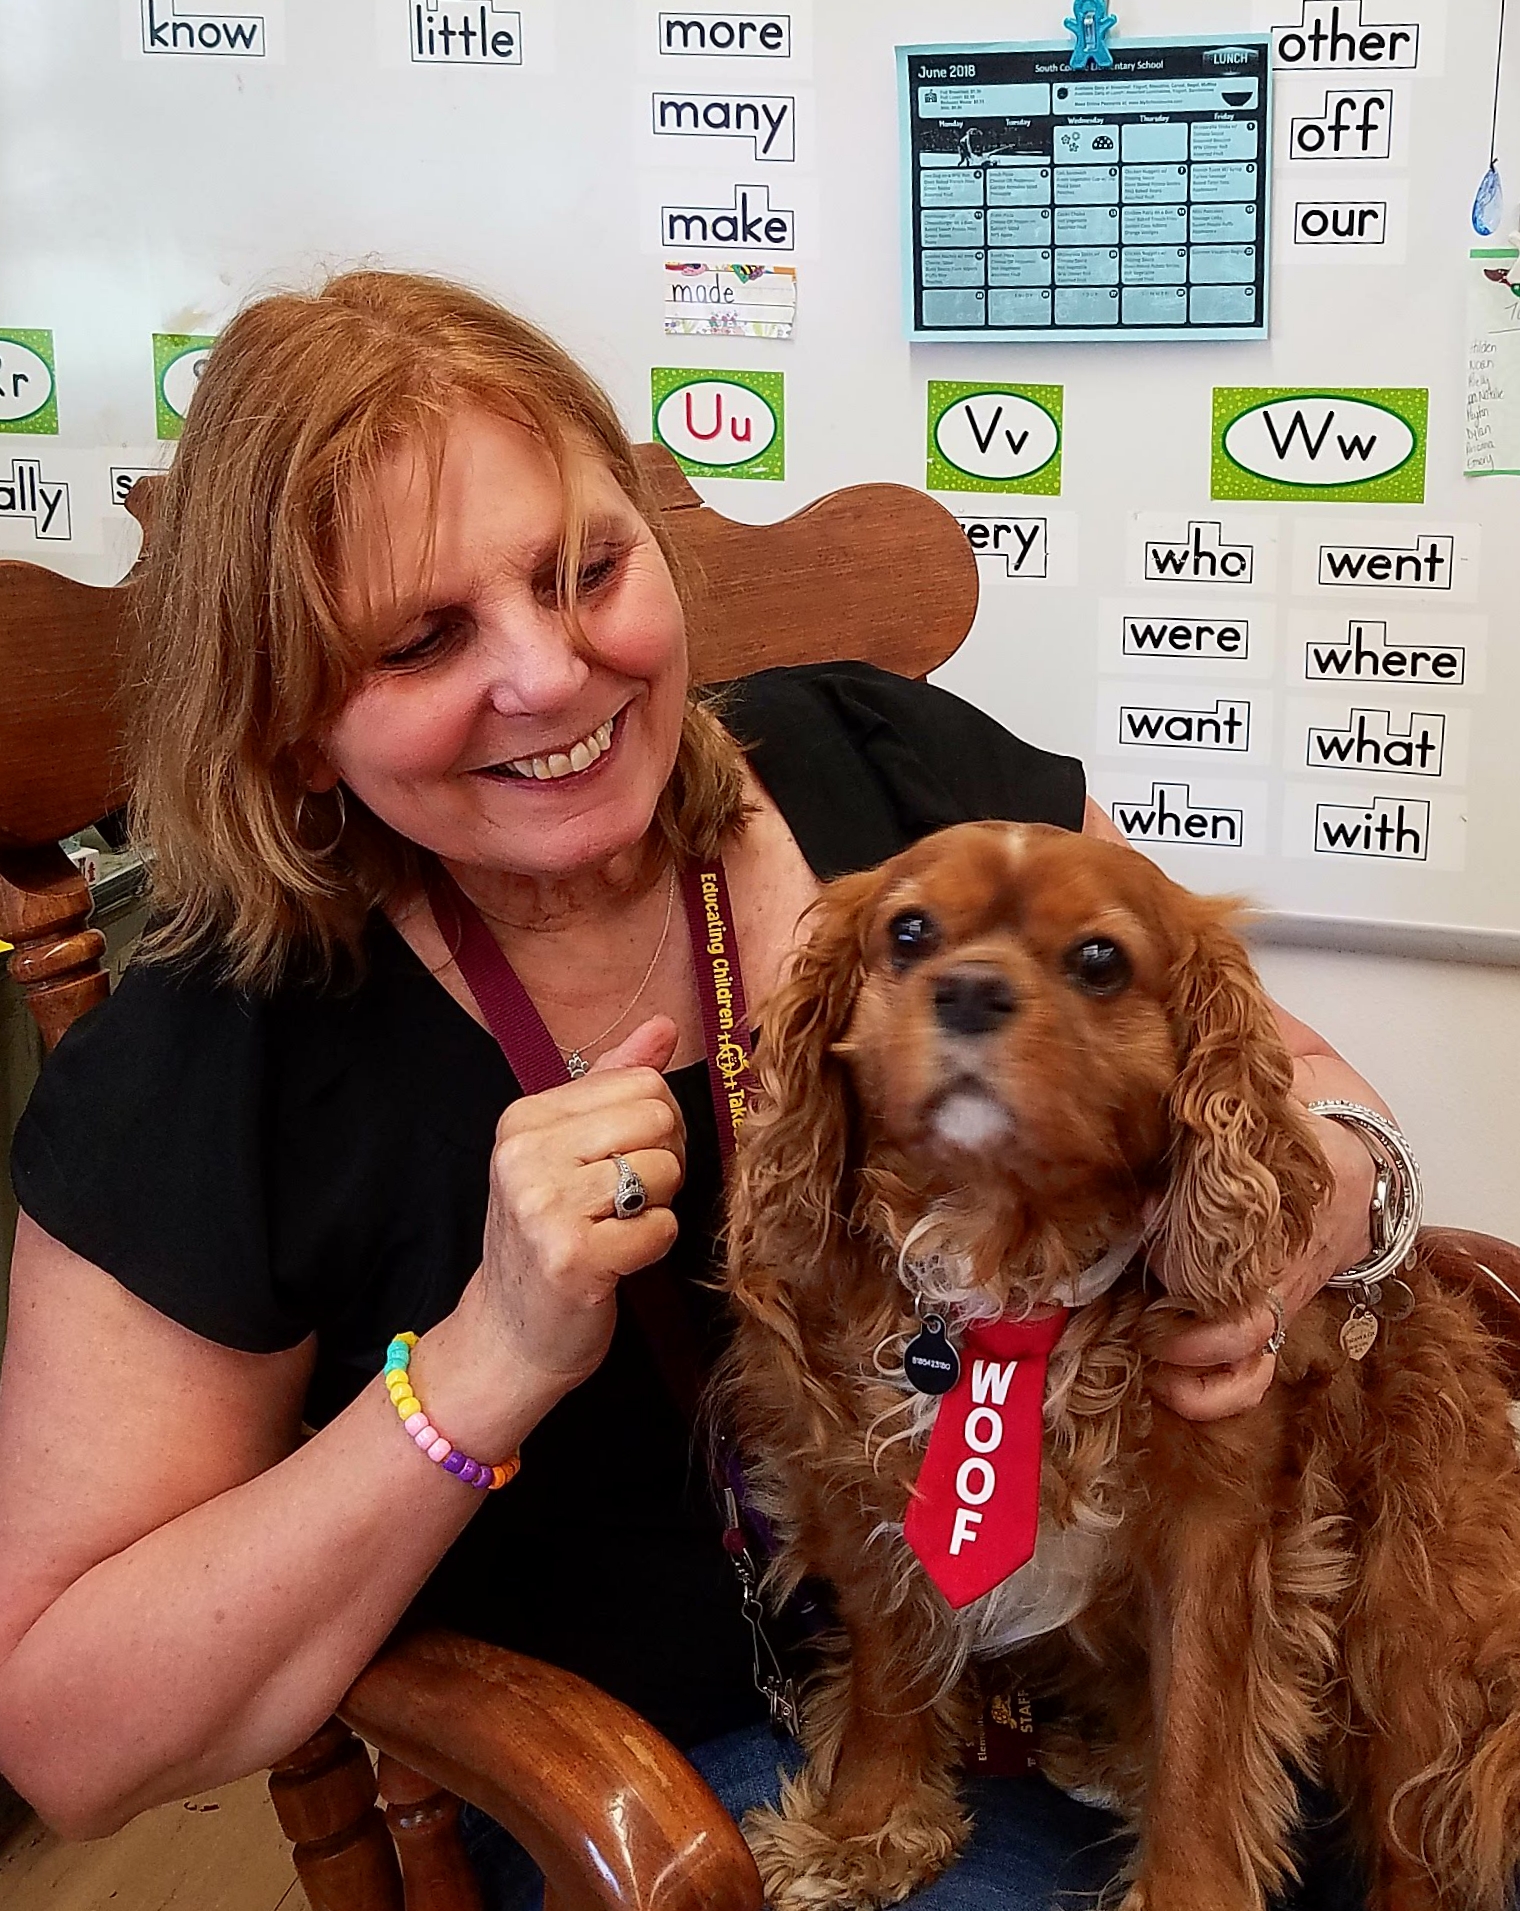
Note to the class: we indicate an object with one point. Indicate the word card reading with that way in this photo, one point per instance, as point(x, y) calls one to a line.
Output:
point(1129, 201)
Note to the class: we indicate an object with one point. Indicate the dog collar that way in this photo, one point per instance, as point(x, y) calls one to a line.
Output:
point(1095, 1281)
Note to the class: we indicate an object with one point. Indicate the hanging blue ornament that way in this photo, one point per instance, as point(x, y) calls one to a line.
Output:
point(1488, 206)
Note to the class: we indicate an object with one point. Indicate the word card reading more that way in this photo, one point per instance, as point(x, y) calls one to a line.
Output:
point(1129, 203)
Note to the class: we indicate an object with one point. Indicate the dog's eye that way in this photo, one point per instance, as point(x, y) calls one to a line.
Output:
point(1099, 967)
point(910, 937)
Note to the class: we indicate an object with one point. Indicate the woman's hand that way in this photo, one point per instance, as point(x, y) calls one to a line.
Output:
point(1220, 1369)
point(554, 1251)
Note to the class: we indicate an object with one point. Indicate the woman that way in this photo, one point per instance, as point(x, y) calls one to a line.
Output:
point(407, 609)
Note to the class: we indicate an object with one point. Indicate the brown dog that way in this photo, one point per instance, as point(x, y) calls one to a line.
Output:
point(997, 1056)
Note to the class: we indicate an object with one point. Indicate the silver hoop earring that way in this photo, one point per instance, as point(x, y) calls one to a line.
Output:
point(328, 848)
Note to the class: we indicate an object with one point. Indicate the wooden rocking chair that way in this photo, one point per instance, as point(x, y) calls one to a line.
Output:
point(611, 1812)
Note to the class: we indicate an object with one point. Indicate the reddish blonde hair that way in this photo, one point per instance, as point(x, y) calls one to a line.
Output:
point(241, 654)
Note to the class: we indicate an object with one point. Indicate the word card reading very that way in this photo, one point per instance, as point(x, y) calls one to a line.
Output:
point(1124, 202)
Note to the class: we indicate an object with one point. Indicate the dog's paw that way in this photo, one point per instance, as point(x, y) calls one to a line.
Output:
point(806, 1864)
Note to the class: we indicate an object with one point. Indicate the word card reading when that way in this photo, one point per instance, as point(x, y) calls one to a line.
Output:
point(1172, 815)
point(1127, 202)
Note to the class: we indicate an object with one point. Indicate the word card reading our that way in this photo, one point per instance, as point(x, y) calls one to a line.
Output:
point(1129, 203)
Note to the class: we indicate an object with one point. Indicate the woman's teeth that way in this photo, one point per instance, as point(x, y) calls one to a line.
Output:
point(580, 756)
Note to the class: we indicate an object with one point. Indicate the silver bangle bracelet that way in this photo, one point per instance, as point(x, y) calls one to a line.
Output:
point(1398, 1201)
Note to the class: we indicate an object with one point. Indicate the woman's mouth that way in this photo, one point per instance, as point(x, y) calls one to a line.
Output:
point(557, 764)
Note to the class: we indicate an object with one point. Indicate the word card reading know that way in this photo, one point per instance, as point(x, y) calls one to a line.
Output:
point(1124, 203)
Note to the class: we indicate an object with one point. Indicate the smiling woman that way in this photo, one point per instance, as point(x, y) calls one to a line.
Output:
point(476, 731)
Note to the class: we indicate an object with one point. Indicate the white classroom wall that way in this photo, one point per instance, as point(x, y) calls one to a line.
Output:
point(1441, 1041)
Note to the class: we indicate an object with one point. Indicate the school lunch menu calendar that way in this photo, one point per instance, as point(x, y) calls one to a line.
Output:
point(1125, 202)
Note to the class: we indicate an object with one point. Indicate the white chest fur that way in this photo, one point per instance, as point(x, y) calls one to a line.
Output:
point(1040, 1597)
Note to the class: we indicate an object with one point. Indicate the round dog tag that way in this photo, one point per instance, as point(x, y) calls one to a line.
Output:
point(1398, 1301)
point(930, 1360)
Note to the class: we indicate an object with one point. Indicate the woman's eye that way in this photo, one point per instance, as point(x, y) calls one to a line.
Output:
point(594, 575)
point(910, 937)
point(1099, 967)
point(420, 649)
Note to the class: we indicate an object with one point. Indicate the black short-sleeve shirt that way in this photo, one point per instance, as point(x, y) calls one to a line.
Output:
point(262, 1169)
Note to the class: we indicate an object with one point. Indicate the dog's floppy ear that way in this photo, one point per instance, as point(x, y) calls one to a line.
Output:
point(1246, 1172)
point(792, 1164)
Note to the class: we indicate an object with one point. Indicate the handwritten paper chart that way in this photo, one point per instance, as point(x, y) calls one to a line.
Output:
point(1493, 365)
point(1043, 203)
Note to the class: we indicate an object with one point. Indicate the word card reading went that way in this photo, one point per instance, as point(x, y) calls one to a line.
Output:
point(1044, 204)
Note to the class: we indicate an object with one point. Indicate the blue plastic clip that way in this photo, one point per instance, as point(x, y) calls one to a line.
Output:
point(1090, 25)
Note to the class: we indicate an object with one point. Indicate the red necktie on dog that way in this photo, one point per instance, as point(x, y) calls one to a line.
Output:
point(975, 1509)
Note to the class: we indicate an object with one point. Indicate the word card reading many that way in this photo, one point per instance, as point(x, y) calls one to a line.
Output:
point(1127, 203)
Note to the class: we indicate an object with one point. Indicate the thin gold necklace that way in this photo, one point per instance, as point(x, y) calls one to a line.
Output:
point(575, 1060)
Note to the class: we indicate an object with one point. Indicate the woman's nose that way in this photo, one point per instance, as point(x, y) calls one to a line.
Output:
point(532, 662)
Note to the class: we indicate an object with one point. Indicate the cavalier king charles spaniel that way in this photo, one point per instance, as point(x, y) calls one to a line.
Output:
point(1009, 1067)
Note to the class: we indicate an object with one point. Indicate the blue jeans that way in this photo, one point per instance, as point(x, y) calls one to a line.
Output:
point(1032, 1847)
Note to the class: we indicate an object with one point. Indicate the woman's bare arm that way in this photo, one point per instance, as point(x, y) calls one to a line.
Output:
point(1220, 1370)
point(187, 1593)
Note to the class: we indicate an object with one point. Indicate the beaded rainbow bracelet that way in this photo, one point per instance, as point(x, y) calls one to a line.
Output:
point(398, 1358)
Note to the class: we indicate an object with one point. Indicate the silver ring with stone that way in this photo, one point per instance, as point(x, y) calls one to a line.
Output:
point(1280, 1332)
point(632, 1196)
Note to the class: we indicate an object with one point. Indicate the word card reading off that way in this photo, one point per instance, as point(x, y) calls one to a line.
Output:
point(1129, 202)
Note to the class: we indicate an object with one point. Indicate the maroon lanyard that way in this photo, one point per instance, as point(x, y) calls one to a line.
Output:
point(519, 1028)
point(653, 1293)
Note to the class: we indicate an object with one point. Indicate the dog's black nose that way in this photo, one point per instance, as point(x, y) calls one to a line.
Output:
point(973, 1000)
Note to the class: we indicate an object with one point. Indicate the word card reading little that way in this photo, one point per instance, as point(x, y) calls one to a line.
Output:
point(1129, 202)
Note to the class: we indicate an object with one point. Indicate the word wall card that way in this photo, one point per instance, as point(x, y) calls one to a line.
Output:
point(1128, 202)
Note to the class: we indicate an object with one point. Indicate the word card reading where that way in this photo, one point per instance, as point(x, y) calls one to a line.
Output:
point(1047, 204)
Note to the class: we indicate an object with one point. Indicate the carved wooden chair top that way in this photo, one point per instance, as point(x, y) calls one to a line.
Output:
point(611, 1812)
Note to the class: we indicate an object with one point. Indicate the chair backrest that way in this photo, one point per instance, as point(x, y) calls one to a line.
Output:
point(876, 571)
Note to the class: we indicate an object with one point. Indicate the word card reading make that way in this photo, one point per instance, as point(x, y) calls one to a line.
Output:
point(1130, 203)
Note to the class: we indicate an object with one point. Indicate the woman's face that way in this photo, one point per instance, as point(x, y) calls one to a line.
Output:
point(485, 730)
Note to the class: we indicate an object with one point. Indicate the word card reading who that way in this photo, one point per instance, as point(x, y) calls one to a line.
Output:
point(1126, 203)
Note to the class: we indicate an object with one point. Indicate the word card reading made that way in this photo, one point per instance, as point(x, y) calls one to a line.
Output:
point(1131, 202)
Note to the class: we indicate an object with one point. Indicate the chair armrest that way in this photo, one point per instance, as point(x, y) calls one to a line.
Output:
point(609, 1810)
point(1487, 1271)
